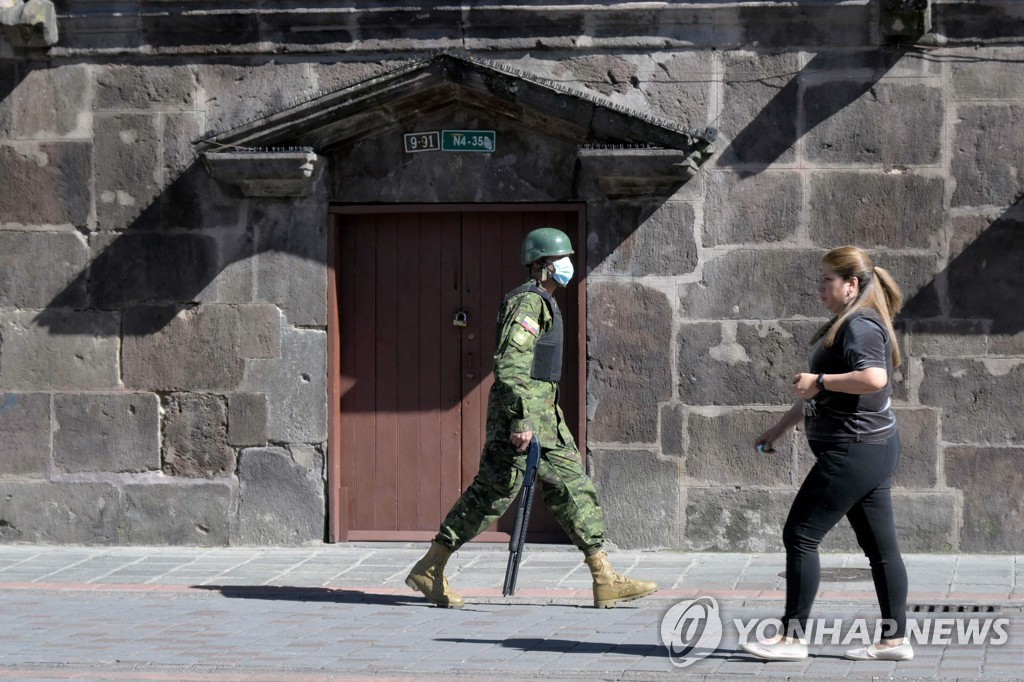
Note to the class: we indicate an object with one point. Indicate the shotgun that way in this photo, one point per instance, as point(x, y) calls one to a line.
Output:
point(518, 539)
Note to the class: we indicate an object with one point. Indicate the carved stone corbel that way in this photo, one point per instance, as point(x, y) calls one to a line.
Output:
point(29, 24)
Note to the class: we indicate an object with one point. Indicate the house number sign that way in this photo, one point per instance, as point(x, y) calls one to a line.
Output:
point(452, 141)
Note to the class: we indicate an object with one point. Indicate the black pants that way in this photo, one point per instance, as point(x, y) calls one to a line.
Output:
point(852, 480)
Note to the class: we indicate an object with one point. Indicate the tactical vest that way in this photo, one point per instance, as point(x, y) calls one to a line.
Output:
point(547, 355)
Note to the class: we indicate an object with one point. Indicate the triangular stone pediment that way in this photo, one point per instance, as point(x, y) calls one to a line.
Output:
point(399, 97)
point(402, 95)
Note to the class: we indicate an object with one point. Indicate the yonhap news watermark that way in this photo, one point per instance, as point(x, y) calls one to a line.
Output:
point(692, 630)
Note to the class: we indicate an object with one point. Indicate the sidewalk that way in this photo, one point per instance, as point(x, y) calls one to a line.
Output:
point(335, 611)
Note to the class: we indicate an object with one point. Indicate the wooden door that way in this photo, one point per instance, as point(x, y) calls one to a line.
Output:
point(409, 388)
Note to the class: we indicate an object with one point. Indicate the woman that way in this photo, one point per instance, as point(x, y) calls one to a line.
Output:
point(845, 404)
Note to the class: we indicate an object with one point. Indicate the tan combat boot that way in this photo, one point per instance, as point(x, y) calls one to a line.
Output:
point(427, 576)
point(610, 587)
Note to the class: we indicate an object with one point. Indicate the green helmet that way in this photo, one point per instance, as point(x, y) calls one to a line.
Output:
point(544, 242)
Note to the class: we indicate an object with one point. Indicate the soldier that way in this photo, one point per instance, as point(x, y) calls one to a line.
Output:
point(523, 402)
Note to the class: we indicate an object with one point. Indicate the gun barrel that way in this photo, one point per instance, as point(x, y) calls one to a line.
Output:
point(518, 539)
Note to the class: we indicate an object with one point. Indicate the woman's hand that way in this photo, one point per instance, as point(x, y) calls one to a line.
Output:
point(766, 441)
point(805, 385)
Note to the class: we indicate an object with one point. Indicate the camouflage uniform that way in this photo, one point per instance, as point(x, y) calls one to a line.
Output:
point(519, 403)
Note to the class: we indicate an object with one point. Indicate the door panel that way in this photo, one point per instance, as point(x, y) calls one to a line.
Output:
point(411, 387)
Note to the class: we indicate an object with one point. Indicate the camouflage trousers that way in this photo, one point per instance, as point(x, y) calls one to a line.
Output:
point(567, 490)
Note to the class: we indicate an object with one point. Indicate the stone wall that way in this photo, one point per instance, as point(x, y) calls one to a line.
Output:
point(163, 336)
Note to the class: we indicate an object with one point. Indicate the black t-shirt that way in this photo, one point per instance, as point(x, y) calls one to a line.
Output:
point(862, 342)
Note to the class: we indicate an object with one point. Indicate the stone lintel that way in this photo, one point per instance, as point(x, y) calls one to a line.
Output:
point(266, 173)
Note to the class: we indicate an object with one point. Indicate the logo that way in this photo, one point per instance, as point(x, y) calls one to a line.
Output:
point(691, 630)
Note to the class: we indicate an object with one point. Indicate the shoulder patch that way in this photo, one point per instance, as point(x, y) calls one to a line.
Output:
point(520, 337)
point(530, 325)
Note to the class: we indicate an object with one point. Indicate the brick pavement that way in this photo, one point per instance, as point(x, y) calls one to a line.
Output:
point(330, 612)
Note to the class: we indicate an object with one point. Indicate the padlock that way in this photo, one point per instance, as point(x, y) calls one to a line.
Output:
point(461, 319)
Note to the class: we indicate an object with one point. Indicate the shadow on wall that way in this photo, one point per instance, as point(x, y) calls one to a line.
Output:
point(774, 130)
point(982, 281)
point(165, 260)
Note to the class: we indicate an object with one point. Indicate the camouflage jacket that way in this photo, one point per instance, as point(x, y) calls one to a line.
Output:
point(518, 402)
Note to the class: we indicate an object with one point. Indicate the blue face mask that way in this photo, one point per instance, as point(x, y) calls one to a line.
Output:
point(563, 271)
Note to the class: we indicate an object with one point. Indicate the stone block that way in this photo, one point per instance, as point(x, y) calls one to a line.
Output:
point(51, 102)
point(721, 450)
point(919, 448)
point(745, 208)
point(259, 333)
point(179, 135)
point(987, 148)
point(981, 275)
point(875, 209)
point(760, 94)
point(39, 269)
point(751, 520)
point(247, 419)
point(989, 480)
point(33, 172)
point(640, 496)
point(626, 378)
point(916, 276)
point(296, 387)
point(673, 430)
point(642, 238)
point(195, 436)
point(234, 281)
point(9, 79)
point(731, 520)
point(24, 435)
point(193, 513)
point(291, 240)
point(873, 122)
point(233, 94)
point(927, 521)
point(741, 363)
point(755, 284)
point(59, 513)
point(828, 26)
point(280, 502)
point(193, 200)
point(59, 349)
point(996, 76)
point(127, 148)
point(145, 267)
point(972, 394)
point(106, 432)
point(128, 86)
point(162, 344)
point(948, 338)
point(333, 76)
point(677, 86)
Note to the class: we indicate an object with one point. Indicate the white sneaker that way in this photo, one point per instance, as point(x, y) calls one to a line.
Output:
point(777, 651)
point(903, 652)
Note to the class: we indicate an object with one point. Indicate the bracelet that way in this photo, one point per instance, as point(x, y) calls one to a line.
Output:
point(820, 381)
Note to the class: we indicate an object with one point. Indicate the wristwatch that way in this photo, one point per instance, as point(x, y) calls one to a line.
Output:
point(820, 381)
